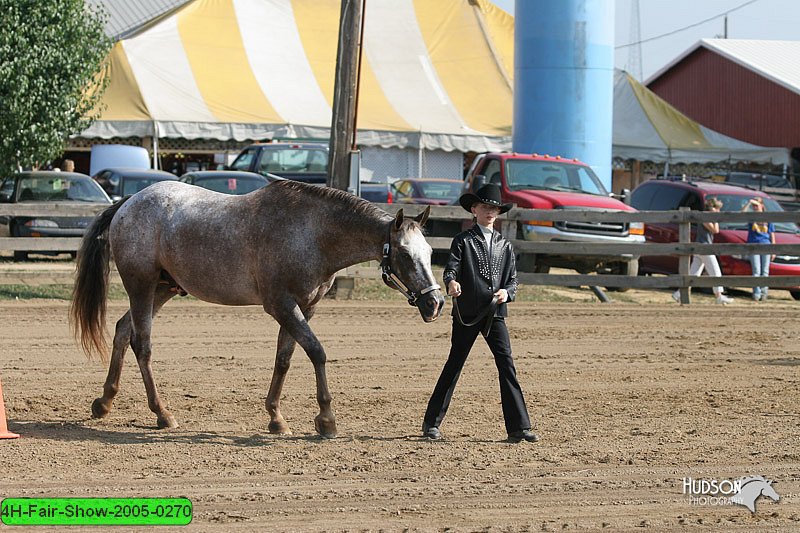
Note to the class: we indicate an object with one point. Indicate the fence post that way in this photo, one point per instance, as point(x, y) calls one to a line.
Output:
point(684, 237)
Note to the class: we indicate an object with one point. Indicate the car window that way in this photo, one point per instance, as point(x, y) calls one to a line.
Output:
point(548, 175)
point(7, 190)
point(244, 160)
point(735, 203)
point(693, 202)
point(230, 185)
point(759, 181)
point(58, 188)
point(642, 197)
point(668, 198)
point(402, 189)
point(492, 172)
point(134, 185)
point(294, 160)
point(440, 190)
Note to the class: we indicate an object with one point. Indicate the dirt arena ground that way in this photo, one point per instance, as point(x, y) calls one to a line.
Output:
point(630, 398)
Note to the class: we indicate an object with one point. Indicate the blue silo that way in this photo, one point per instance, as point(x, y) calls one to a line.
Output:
point(564, 79)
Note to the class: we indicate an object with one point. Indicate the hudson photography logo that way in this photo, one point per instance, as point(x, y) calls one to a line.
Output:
point(743, 491)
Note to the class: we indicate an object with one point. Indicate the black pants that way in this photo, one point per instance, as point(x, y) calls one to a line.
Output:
point(514, 411)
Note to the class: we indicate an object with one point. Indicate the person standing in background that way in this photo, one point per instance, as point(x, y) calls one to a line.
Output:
point(705, 235)
point(760, 233)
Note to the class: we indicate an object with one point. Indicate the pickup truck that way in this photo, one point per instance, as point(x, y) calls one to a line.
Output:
point(533, 181)
point(306, 162)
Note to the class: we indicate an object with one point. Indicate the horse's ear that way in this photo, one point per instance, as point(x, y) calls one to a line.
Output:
point(398, 219)
point(422, 218)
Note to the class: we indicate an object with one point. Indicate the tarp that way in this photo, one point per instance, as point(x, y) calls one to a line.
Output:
point(647, 128)
point(436, 74)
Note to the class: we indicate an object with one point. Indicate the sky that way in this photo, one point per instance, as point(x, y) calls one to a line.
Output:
point(759, 19)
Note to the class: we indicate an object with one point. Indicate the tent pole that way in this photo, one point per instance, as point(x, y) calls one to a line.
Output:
point(155, 145)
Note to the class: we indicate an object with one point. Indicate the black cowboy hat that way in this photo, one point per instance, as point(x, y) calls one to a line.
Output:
point(488, 194)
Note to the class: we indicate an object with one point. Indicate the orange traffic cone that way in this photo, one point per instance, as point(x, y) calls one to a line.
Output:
point(4, 432)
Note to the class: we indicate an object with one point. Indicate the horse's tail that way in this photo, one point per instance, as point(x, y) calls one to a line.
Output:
point(87, 313)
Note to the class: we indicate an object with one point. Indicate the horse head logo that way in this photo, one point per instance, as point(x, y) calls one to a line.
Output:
point(751, 488)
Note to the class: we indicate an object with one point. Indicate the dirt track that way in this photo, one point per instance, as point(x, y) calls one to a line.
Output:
point(629, 399)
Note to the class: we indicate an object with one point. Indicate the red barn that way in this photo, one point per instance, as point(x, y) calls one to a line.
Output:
point(747, 89)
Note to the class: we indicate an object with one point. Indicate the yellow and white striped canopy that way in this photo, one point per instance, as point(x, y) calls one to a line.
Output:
point(435, 73)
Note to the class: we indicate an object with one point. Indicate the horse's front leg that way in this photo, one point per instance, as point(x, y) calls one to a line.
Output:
point(292, 320)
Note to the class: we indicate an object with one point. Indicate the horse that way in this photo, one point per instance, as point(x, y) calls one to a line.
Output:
point(752, 488)
point(278, 247)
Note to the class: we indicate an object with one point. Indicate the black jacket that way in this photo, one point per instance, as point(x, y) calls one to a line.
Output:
point(479, 277)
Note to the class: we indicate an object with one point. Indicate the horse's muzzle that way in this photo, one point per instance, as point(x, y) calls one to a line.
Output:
point(431, 306)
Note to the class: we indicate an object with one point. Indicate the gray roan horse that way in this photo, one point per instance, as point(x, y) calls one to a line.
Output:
point(278, 247)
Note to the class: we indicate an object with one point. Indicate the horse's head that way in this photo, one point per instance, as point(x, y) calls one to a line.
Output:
point(407, 260)
point(769, 491)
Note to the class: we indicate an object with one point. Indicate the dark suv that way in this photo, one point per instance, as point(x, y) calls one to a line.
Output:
point(778, 187)
point(306, 162)
point(669, 194)
point(758, 181)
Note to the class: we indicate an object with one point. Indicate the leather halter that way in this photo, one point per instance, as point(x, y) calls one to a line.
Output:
point(392, 281)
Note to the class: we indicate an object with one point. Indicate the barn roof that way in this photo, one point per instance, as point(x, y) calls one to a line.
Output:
point(777, 61)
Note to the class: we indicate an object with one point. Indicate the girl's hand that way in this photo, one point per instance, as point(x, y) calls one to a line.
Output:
point(454, 288)
point(502, 295)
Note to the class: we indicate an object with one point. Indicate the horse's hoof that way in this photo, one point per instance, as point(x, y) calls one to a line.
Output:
point(279, 428)
point(167, 422)
point(99, 408)
point(326, 428)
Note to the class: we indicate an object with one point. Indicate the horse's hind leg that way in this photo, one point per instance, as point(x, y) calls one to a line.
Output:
point(122, 339)
point(286, 346)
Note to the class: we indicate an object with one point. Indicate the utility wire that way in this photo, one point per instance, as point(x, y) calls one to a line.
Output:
point(686, 27)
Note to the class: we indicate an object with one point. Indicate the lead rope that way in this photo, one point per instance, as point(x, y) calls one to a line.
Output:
point(487, 314)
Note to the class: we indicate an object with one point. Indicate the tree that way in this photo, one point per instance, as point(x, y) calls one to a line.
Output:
point(52, 56)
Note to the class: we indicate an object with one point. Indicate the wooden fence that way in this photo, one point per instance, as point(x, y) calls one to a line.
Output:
point(683, 248)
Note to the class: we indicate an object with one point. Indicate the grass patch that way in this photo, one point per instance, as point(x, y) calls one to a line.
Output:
point(52, 292)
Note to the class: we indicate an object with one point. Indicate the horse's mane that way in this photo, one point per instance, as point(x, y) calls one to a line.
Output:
point(350, 204)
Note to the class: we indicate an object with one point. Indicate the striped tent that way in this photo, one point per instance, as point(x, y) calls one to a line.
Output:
point(648, 128)
point(436, 74)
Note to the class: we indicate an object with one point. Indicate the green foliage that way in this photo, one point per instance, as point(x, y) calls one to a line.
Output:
point(52, 292)
point(51, 77)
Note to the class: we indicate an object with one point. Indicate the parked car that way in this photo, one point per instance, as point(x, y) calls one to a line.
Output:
point(778, 187)
point(534, 181)
point(379, 193)
point(669, 194)
point(48, 188)
point(119, 182)
point(306, 162)
point(426, 191)
point(757, 181)
point(227, 181)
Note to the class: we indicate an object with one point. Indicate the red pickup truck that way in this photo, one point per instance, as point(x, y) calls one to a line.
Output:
point(535, 181)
